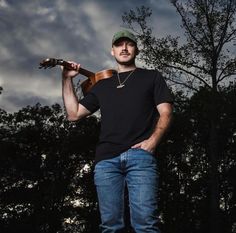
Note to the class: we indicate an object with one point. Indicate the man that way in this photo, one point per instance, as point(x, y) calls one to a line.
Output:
point(136, 111)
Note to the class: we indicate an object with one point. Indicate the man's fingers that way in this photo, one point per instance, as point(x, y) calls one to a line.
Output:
point(77, 67)
point(138, 145)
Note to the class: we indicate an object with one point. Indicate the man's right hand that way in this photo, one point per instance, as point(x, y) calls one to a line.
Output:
point(70, 73)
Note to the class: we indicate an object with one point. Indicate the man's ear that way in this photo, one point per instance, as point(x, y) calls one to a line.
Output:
point(137, 51)
point(112, 52)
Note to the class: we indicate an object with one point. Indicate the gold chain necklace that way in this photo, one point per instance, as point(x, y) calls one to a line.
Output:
point(122, 84)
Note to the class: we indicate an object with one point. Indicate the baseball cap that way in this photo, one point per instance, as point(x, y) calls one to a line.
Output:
point(124, 34)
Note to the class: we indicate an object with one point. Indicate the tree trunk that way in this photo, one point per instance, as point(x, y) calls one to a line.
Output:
point(214, 151)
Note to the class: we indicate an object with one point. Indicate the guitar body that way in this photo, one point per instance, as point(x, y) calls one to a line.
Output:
point(90, 82)
point(92, 77)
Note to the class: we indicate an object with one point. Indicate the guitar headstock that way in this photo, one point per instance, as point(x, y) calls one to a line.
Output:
point(50, 63)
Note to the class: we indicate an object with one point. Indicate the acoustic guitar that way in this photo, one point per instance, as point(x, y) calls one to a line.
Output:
point(92, 77)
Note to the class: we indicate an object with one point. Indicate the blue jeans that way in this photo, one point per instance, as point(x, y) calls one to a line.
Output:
point(138, 169)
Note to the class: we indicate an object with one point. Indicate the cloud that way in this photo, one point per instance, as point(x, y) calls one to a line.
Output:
point(73, 30)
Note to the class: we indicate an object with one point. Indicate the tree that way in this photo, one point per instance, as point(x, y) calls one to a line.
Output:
point(42, 171)
point(184, 166)
point(205, 60)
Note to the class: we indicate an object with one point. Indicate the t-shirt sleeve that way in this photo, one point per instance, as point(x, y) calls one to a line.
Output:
point(162, 93)
point(90, 102)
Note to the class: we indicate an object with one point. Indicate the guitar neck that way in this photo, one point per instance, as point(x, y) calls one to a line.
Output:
point(92, 77)
point(82, 71)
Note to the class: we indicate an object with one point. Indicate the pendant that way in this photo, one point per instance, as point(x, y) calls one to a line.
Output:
point(120, 86)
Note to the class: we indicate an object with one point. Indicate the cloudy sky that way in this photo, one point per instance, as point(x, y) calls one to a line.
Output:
point(79, 30)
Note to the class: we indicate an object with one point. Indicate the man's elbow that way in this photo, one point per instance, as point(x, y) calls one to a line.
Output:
point(72, 118)
point(77, 115)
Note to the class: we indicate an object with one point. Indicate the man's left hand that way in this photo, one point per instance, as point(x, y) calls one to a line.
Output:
point(148, 145)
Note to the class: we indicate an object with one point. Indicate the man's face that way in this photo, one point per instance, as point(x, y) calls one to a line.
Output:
point(124, 51)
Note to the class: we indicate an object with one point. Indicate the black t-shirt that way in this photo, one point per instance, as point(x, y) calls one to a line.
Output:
point(128, 114)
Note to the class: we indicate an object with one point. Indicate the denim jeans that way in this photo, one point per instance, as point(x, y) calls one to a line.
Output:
point(138, 169)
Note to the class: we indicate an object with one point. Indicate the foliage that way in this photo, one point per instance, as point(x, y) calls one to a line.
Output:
point(184, 164)
point(43, 175)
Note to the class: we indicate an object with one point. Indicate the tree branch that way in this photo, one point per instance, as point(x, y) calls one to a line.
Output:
point(188, 29)
point(189, 72)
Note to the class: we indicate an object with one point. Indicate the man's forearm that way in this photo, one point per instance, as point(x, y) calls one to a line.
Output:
point(161, 128)
point(69, 98)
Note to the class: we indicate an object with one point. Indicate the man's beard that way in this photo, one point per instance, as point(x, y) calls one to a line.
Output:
point(127, 63)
